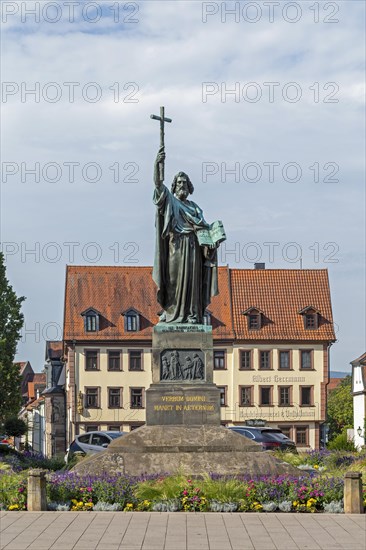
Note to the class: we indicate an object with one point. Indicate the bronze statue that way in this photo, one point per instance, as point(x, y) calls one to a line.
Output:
point(185, 264)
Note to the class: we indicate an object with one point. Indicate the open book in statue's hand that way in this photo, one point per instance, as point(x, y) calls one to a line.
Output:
point(212, 235)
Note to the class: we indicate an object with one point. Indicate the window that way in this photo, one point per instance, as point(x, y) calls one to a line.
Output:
point(136, 398)
point(284, 360)
point(219, 360)
point(265, 393)
point(85, 438)
point(91, 320)
point(246, 396)
point(265, 360)
point(91, 323)
point(92, 398)
point(245, 359)
point(114, 428)
point(254, 322)
point(306, 359)
point(223, 390)
point(286, 430)
point(311, 317)
point(135, 360)
point(114, 398)
point(311, 321)
point(114, 360)
point(92, 359)
point(100, 440)
point(306, 396)
point(284, 395)
point(301, 435)
point(132, 320)
point(90, 428)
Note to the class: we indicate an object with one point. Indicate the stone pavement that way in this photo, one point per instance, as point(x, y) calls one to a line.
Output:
point(180, 531)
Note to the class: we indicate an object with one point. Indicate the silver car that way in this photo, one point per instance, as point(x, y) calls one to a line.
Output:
point(91, 442)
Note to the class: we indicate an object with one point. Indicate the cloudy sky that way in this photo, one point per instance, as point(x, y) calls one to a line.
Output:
point(268, 120)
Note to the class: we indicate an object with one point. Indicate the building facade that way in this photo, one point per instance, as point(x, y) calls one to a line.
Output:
point(272, 332)
point(359, 400)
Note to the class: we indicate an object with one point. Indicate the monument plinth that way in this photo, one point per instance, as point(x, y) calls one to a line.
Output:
point(182, 392)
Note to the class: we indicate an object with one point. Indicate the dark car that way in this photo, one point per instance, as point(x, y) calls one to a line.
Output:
point(271, 439)
point(91, 442)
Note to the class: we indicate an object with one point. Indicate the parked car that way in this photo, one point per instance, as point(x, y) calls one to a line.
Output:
point(271, 439)
point(91, 442)
point(5, 441)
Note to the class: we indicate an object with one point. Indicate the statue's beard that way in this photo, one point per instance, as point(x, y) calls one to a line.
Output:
point(182, 195)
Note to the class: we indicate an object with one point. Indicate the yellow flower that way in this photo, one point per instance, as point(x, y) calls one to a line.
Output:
point(14, 507)
point(316, 466)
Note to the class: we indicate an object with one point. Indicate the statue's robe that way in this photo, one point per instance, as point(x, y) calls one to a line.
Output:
point(184, 272)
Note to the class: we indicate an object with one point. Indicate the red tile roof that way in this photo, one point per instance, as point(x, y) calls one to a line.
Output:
point(113, 290)
point(333, 384)
point(281, 294)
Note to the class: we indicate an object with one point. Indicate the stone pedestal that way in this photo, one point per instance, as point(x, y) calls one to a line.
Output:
point(182, 392)
point(183, 431)
point(353, 502)
point(36, 499)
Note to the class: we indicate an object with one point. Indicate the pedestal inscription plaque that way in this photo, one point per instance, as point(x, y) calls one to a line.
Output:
point(182, 392)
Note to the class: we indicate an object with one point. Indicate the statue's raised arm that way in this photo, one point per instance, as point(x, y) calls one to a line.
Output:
point(158, 170)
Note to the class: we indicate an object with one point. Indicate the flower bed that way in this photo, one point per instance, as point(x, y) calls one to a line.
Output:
point(321, 491)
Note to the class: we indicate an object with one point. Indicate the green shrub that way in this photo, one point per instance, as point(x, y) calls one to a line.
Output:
point(341, 443)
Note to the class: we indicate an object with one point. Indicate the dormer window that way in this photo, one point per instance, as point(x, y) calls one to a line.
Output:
point(91, 320)
point(132, 320)
point(254, 321)
point(254, 316)
point(206, 319)
point(311, 317)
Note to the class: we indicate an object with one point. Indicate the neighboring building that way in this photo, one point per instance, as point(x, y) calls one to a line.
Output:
point(272, 331)
point(33, 412)
point(54, 398)
point(359, 400)
point(26, 372)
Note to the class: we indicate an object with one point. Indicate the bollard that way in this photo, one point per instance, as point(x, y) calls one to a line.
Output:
point(353, 503)
point(37, 499)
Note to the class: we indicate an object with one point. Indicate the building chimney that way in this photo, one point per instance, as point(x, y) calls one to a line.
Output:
point(260, 266)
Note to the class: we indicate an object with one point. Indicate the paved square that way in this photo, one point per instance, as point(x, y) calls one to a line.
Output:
point(180, 531)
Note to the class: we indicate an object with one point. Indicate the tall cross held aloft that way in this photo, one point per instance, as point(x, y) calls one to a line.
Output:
point(162, 120)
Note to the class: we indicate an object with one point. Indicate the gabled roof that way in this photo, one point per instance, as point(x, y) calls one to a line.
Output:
point(308, 308)
point(360, 360)
point(252, 308)
point(115, 289)
point(22, 366)
point(281, 294)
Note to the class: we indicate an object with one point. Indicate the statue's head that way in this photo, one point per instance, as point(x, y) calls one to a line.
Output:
point(182, 186)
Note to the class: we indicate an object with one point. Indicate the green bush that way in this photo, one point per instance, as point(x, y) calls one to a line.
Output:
point(341, 443)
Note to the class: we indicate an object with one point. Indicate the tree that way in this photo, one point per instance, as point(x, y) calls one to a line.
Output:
point(340, 407)
point(14, 426)
point(11, 323)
